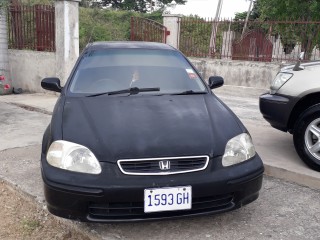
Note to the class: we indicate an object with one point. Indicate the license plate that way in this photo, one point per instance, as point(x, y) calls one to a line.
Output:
point(167, 199)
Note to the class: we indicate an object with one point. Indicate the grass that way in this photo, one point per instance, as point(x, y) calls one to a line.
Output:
point(29, 225)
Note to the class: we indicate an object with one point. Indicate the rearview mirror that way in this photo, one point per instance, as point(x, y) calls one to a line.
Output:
point(51, 84)
point(215, 82)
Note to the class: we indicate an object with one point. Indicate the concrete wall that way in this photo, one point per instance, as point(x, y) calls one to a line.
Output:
point(67, 37)
point(238, 73)
point(4, 57)
point(172, 22)
point(28, 68)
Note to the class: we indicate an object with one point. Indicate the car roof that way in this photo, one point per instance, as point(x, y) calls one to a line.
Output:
point(128, 45)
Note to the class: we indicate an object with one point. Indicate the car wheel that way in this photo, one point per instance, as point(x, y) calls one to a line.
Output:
point(306, 137)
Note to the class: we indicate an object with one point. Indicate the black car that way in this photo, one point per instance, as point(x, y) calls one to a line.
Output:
point(138, 135)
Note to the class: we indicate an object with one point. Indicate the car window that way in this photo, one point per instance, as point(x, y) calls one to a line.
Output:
point(116, 69)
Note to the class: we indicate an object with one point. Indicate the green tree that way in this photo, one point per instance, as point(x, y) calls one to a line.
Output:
point(254, 22)
point(297, 10)
point(289, 9)
point(138, 5)
point(195, 37)
point(33, 2)
point(107, 25)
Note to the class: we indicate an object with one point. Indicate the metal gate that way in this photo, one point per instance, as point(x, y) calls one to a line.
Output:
point(254, 46)
point(31, 27)
point(143, 29)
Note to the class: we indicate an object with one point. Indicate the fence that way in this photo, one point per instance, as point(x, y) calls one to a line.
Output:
point(261, 40)
point(143, 29)
point(31, 27)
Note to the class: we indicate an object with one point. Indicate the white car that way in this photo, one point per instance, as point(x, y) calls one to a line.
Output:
point(293, 105)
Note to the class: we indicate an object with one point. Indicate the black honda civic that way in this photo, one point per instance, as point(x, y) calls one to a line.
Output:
point(137, 134)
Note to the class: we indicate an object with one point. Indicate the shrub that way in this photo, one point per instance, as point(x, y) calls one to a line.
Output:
point(108, 25)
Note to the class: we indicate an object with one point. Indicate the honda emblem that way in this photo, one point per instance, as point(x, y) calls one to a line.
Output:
point(164, 165)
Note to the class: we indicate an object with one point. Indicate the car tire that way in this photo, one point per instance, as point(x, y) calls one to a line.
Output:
point(306, 137)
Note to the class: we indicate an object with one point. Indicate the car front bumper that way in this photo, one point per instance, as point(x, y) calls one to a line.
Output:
point(115, 197)
point(276, 109)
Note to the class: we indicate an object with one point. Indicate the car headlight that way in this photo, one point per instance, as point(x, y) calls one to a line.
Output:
point(238, 149)
point(73, 157)
point(278, 82)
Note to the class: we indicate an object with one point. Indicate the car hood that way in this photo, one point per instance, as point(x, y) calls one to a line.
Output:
point(128, 127)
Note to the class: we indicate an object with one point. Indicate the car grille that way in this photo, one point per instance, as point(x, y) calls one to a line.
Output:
point(163, 166)
point(131, 210)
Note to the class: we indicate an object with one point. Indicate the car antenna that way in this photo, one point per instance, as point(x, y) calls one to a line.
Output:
point(297, 66)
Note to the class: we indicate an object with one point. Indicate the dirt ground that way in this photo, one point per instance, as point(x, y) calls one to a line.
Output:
point(20, 219)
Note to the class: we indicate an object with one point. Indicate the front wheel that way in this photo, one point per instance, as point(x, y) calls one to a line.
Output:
point(306, 137)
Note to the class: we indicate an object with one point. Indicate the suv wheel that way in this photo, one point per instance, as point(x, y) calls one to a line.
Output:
point(306, 137)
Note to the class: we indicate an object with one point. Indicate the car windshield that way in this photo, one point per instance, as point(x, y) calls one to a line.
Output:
point(109, 70)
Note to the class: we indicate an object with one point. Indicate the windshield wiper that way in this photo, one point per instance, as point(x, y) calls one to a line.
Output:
point(132, 91)
point(189, 92)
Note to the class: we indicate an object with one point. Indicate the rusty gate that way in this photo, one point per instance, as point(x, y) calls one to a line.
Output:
point(253, 46)
point(31, 27)
point(143, 29)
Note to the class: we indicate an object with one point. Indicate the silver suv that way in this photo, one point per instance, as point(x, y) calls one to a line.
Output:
point(293, 105)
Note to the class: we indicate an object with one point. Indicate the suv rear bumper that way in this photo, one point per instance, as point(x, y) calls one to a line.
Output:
point(276, 109)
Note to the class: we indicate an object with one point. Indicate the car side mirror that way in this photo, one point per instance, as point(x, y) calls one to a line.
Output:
point(51, 84)
point(301, 56)
point(215, 82)
point(297, 66)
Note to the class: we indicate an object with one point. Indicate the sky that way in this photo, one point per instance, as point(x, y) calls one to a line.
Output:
point(207, 8)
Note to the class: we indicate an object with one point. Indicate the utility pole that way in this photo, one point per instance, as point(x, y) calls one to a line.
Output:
point(212, 48)
point(247, 18)
point(218, 11)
